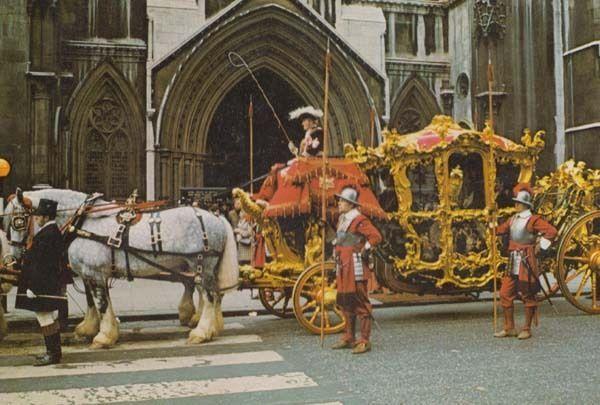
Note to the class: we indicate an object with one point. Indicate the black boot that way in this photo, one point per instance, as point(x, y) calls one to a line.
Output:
point(42, 355)
point(54, 353)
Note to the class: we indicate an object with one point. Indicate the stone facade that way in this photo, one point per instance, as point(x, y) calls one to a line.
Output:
point(582, 80)
point(14, 128)
point(88, 86)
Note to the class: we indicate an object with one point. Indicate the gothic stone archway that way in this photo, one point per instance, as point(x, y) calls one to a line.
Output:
point(286, 38)
point(413, 107)
point(107, 128)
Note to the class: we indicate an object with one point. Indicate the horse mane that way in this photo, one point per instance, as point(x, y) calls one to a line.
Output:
point(67, 200)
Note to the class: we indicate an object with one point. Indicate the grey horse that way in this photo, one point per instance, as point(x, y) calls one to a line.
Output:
point(183, 232)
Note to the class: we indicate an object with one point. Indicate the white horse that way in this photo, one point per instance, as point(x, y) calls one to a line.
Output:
point(193, 241)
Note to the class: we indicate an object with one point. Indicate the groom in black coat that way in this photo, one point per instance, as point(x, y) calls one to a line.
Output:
point(40, 280)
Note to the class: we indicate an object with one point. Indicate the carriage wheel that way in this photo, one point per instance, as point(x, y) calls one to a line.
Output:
point(579, 263)
point(277, 300)
point(308, 297)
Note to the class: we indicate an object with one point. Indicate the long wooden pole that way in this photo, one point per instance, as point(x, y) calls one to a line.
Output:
point(490, 77)
point(372, 123)
point(324, 187)
point(251, 124)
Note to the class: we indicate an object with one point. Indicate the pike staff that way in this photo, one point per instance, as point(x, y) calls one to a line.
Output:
point(494, 216)
point(324, 186)
point(372, 126)
point(250, 124)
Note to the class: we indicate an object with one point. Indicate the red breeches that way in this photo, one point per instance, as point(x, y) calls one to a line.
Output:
point(512, 289)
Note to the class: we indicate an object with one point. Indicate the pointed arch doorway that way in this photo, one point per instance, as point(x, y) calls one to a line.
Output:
point(286, 38)
point(228, 141)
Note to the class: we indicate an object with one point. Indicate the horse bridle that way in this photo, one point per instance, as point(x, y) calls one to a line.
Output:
point(19, 222)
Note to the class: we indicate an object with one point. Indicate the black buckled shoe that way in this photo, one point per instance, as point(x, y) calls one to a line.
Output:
point(47, 359)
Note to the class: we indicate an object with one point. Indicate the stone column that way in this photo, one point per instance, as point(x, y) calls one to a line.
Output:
point(439, 34)
point(559, 84)
point(392, 34)
point(421, 36)
point(40, 132)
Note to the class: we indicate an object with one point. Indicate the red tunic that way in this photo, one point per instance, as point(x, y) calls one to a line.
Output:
point(535, 225)
point(362, 227)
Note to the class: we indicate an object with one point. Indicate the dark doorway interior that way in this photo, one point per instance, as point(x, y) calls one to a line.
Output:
point(229, 140)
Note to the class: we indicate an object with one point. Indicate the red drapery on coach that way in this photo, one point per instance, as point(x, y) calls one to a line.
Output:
point(296, 189)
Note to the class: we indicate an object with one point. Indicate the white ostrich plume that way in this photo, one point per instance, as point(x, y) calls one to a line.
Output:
point(308, 110)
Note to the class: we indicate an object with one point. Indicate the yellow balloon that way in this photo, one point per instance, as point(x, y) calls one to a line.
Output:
point(4, 168)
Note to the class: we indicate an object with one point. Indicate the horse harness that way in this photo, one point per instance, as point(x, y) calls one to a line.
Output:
point(119, 240)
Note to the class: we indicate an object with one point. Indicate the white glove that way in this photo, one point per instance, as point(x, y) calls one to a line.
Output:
point(30, 294)
point(293, 148)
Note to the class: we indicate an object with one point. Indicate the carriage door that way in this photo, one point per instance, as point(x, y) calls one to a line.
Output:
point(467, 198)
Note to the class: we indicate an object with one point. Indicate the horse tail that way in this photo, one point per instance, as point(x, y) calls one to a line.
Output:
point(229, 272)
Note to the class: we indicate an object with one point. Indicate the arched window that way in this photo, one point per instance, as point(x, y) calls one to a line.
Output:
point(107, 146)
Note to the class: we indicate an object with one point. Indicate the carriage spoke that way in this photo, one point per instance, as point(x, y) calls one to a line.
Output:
point(582, 284)
point(309, 304)
point(571, 277)
point(582, 245)
point(326, 318)
point(577, 259)
point(594, 290)
point(278, 300)
point(314, 317)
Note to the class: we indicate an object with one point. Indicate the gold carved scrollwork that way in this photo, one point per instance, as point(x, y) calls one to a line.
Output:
point(313, 249)
point(398, 153)
point(286, 265)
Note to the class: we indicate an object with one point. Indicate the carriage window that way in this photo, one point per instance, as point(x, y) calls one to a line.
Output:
point(468, 237)
point(430, 239)
point(423, 186)
point(507, 176)
point(387, 198)
point(467, 186)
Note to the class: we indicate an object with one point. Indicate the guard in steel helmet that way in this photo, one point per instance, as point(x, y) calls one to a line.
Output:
point(355, 237)
point(528, 235)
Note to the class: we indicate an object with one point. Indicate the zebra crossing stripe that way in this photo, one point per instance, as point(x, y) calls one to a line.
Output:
point(173, 329)
point(161, 344)
point(146, 364)
point(225, 340)
point(161, 391)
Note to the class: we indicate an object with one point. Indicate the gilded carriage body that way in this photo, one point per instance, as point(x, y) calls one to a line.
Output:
point(441, 189)
point(448, 184)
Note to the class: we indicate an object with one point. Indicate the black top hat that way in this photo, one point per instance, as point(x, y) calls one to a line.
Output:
point(46, 208)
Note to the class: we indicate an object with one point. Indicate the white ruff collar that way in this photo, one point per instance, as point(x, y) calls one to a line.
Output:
point(346, 219)
point(524, 214)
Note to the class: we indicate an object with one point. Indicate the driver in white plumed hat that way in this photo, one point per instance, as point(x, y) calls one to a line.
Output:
point(312, 143)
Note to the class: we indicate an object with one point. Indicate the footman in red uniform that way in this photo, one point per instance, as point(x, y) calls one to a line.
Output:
point(356, 236)
point(528, 234)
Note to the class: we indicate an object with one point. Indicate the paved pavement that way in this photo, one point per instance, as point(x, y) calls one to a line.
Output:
point(140, 298)
point(422, 355)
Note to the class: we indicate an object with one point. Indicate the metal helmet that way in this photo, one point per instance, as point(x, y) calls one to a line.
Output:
point(349, 194)
point(524, 197)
